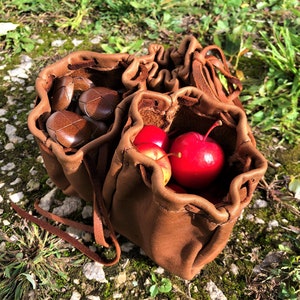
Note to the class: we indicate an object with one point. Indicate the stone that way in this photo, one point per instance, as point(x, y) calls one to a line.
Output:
point(272, 224)
point(87, 211)
point(214, 292)
point(8, 167)
point(271, 259)
point(69, 206)
point(75, 296)
point(58, 43)
point(121, 278)
point(47, 200)
point(94, 271)
point(260, 203)
point(16, 197)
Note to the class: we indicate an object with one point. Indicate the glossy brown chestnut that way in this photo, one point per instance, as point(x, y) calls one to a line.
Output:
point(63, 90)
point(68, 129)
point(99, 103)
point(98, 127)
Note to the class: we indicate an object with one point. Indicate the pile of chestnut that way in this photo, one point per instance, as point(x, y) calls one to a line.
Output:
point(81, 111)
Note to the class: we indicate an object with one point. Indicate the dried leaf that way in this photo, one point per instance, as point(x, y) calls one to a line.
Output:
point(240, 75)
point(294, 187)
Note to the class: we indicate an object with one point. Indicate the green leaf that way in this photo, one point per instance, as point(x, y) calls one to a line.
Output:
point(270, 84)
point(258, 116)
point(166, 285)
point(234, 3)
point(137, 5)
point(217, 40)
point(222, 26)
point(284, 248)
point(153, 290)
point(7, 272)
point(28, 47)
point(232, 44)
point(30, 279)
point(107, 48)
point(151, 23)
point(166, 17)
point(18, 292)
point(153, 278)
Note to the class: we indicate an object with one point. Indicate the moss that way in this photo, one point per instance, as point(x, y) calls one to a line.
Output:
point(289, 158)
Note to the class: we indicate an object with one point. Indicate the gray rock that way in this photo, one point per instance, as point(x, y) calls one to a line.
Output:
point(94, 271)
point(214, 292)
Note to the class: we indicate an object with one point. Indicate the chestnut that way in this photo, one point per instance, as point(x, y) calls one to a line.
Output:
point(68, 129)
point(98, 127)
point(99, 103)
point(63, 90)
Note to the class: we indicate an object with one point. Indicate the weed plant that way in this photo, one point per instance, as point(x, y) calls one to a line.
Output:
point(276, 108)
point(30, 260)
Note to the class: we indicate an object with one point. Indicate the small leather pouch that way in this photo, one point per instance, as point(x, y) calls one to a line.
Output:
point(88, 110)
point(189, 64)
point(61, 121)
point(181, 231)
point(77, 120)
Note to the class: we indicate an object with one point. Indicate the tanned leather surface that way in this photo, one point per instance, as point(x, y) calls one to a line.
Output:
point(179, 89)
point(181, 232)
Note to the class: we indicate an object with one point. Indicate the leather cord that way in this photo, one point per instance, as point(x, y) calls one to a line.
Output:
point(205, 78)
point(100, 216)
point(63, 235)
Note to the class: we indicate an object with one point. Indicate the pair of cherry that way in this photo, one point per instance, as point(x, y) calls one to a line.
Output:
point(194, 160)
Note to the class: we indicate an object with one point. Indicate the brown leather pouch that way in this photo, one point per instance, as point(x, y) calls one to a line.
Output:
point(76, 148)
point(181, 232)
point(60, 85)
point(189, 64)
point(64, 163)
point(178, 89)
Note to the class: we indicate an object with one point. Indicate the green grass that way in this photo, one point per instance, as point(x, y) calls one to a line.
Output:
point(267, 29)
point(260, 40)
point(30, 259)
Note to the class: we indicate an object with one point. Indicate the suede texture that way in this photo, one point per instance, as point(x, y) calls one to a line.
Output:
point(181, 232)
point(179, 90)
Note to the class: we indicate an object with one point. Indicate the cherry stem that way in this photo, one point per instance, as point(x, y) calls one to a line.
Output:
point(178, 154)
point(216, 124)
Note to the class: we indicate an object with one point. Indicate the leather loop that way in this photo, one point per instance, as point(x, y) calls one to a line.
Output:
point(206, 64)
point(62, 220)
point(100, 215)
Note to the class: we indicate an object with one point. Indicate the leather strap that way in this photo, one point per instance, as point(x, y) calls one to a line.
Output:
point(62, 220)
point(205, 77)
point(100, 216)
point(65, 236)
point(101, 220)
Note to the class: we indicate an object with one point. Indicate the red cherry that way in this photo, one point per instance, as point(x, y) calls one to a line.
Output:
point(201, 159)
point(159, 155)
point(152, 134)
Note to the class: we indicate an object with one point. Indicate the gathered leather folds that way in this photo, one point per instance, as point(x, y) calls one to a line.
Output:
point(89, 108)
point(181, 232)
